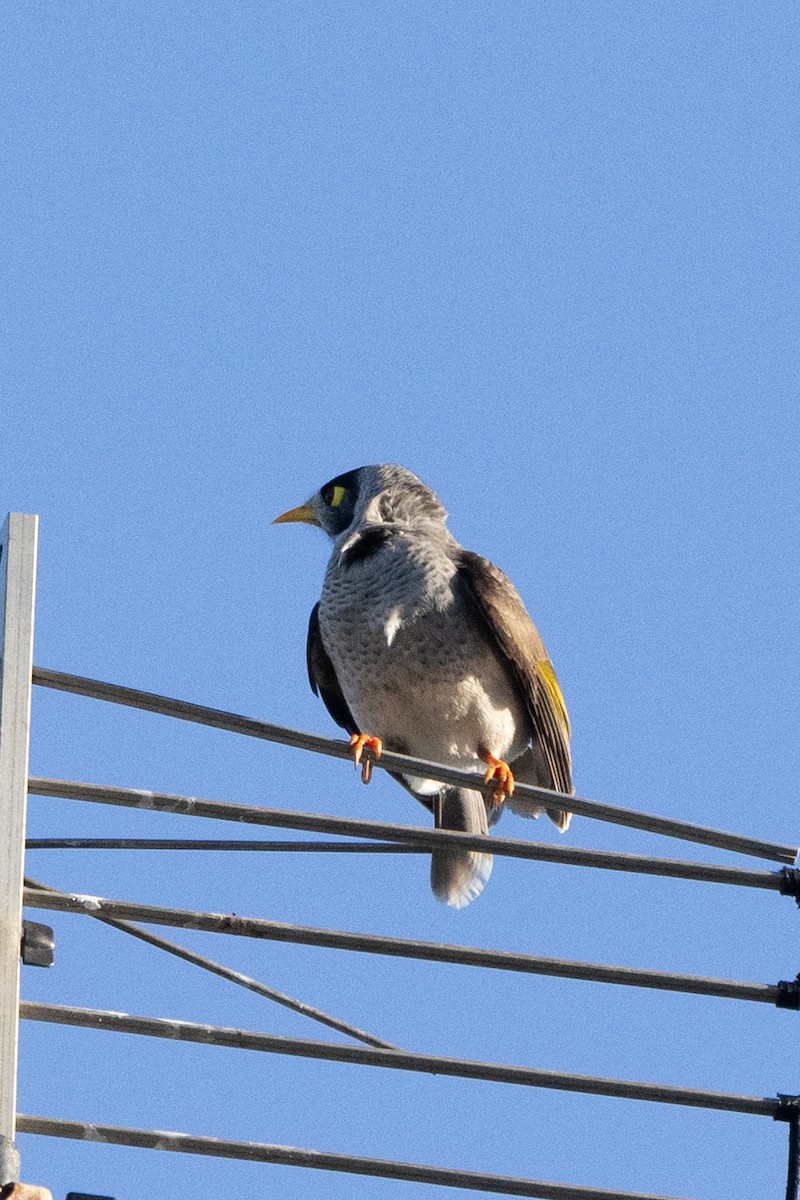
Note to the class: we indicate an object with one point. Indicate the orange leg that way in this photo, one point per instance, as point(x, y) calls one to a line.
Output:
point(360, 742)
point(500, 772)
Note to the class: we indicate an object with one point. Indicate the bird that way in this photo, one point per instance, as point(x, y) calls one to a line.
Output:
point(424, 648)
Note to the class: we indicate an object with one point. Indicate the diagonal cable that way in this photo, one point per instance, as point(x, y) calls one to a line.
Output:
point(245, 981)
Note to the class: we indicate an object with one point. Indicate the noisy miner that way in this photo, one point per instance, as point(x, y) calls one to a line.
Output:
point(423, 647)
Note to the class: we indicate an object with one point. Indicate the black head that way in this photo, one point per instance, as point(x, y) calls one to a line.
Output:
point(383, 494)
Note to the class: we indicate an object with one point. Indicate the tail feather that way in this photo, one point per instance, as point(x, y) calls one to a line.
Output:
point(458, 876)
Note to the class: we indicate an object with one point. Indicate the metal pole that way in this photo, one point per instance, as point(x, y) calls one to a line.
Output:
point(17, 594)
point(793, 1169)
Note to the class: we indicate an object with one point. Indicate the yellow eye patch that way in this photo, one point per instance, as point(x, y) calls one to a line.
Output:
point(338, 496)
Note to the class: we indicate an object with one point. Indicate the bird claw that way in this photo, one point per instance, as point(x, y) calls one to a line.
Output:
point(360, 742)
point(503, 777)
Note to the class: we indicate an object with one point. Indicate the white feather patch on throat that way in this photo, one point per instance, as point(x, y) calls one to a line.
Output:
point(393, 622)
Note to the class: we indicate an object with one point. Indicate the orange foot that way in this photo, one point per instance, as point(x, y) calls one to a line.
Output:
point(500, 772)
point(358, 743)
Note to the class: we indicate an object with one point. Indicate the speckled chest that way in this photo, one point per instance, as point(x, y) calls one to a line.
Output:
point(414, 664)
point(393, 609)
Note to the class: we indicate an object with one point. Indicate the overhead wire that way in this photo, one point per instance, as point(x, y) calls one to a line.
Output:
point(405, 764)
point(386, 838)
point(222, 844)
point(783, 995)
point(400, 1060)
point(785, 881)
point(321, 1160)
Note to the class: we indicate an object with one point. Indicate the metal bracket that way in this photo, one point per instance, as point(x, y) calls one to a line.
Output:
point(790, 882)
point(788, 1108)
point(9, 1164)
point(789, 994)
point(37, 944)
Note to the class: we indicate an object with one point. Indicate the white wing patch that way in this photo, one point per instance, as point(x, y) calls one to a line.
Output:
point(393, 623)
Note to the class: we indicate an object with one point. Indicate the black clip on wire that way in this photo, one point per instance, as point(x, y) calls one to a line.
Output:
point(790, 882)
point(788, 994)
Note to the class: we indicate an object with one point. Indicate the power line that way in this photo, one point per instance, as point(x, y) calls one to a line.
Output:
point(404, 764)
point(386, 839)
point(389, 839)
point(402, 1060)
point(783, 995)
point(321, 1160)
point(784, 881)
point(212, 844)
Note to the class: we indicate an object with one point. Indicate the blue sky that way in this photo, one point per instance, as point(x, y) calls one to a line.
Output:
point(545, 257)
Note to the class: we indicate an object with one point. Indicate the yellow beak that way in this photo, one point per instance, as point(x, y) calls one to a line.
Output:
point(303, 512)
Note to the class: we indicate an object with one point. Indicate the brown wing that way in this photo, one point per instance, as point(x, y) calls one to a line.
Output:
point(322, 676)
point(497, 601)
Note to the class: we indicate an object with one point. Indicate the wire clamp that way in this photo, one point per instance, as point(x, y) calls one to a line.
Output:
point(788, 993)
point(790, 882)
point(37, 946)
point(788, 1108)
